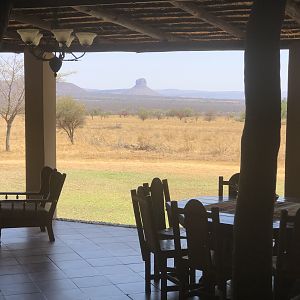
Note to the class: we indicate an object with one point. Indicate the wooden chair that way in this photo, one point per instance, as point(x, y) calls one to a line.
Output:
point(204, 250)
point(151, 242)
point(233, 184)
point(33, 212)
point(160, 195)
point(44, 187)
point(287, 270)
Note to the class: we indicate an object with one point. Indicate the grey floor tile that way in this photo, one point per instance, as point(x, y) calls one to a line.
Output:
point(104, 261)
point(127, 278)
point(35, 296)
point(86, 262)
point(84, 272)
point(19, 288)
point(133, 287)
point(15, 278)
point(103, 291)
point(56, 285)
point(49, 275)
point(92, 281)
point(75, 294)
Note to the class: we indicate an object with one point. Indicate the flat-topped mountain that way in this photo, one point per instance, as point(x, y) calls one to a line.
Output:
point(141, 89)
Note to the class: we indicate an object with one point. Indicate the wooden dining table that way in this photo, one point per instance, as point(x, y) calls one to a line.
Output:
point(227, 207)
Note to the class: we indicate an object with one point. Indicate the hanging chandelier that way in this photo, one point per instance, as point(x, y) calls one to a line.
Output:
point(64, 38)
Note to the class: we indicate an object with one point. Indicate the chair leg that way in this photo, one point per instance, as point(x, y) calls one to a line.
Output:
point(50, 232)
point(156, 269)
point(192, 276)
point(163, 279)
point(281, 288)
point(148, 274)
point(43, 229)
point(222, 288)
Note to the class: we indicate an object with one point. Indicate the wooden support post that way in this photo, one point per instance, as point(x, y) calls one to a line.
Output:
point(253, 232)
point(40, 119)
point(292, 159)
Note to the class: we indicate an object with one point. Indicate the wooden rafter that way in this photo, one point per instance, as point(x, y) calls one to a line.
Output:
point(202, 14)
point(5, 9)
point(32, 20)
point(293, 10)
point(109, 16)
point(68, 3)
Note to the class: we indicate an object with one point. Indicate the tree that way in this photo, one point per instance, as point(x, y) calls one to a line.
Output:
point(95, 112)
point(157, 113)
point(183, 113)
point(11, 92)
point(70, 114)
point(143, 114)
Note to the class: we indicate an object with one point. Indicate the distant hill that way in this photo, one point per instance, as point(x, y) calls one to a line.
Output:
point(140, 96)
point(70, 89)
point(237, 95)
point(141, 89)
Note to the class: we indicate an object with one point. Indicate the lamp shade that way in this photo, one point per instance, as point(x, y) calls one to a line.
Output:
point(62, 35)
point(86, 38)
point(28, 36)
point(70, 40)
point(37, 39)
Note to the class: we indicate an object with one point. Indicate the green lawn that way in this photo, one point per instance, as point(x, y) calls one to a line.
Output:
point(101, 193)
point(96, 195)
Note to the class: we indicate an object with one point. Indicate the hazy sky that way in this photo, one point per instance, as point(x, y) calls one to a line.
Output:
point(212, 71)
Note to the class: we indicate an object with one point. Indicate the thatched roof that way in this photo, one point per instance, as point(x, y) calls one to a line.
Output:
point(144, 25)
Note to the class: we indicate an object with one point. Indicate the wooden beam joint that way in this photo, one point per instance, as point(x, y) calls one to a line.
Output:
point(124, 21)
point(206, 16)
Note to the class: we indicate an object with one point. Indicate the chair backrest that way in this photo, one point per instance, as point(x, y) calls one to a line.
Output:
point(202, 237)
point(288, 257)
point(233, 184)
point(45, 181)
point(138, 222)
point(147, 220)
point(159, 192)
point(57, 180)
point(158, 203)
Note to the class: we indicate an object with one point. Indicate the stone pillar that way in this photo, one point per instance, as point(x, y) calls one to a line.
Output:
point(292, 160)
point(40, 119)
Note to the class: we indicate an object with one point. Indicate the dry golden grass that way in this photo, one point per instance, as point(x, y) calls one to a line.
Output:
point(131, 138)
point(113, 155)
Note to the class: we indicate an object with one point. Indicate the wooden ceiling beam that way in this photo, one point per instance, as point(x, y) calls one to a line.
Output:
point(124, 21)
point(5, 9)
point(68, 3)
point(32, 20)
point(292, 9)
point(140, 47)
point(204, 15)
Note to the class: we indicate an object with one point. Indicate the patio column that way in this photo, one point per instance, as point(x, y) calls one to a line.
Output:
point(253, 227)
point(40, 122)
point(292, 159)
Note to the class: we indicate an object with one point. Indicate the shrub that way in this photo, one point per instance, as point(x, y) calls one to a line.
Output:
point(143, 114)
point(157, 113)
point(70, 114)
point(209, 116)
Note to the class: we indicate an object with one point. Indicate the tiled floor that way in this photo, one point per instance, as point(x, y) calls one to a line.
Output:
point(86, 262)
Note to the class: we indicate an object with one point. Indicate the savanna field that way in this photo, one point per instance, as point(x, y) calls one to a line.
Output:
point(113, 155)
